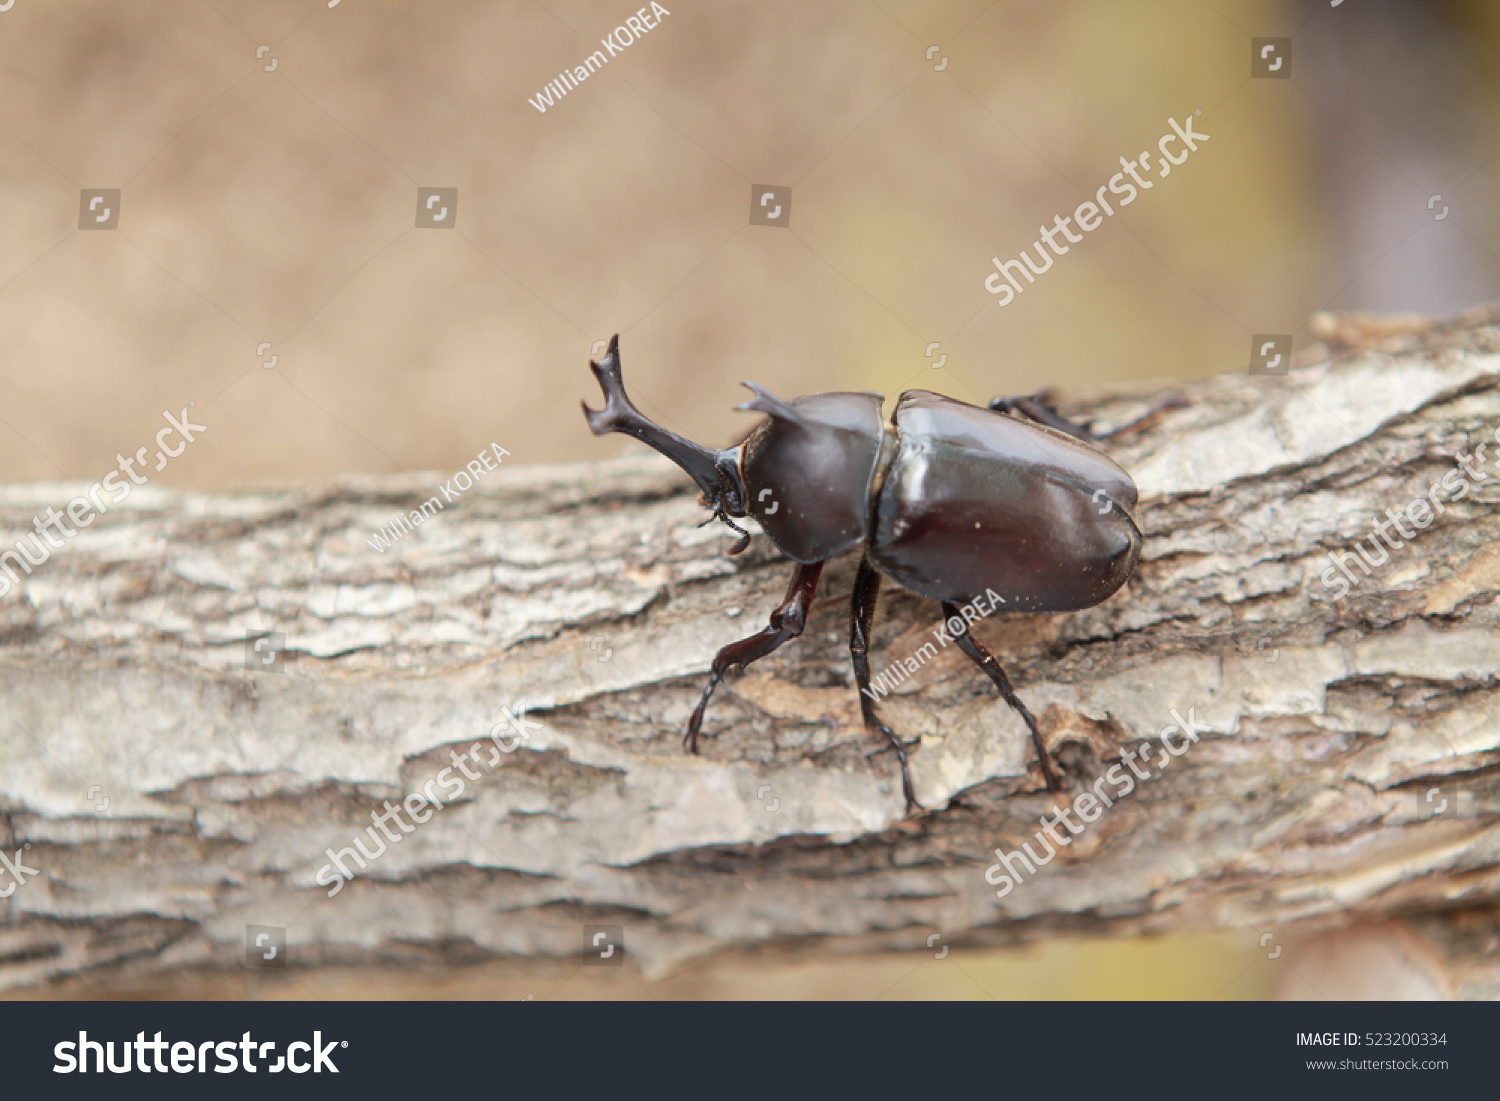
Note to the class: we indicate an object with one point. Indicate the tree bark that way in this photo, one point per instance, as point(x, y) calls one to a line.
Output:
point(174, 787)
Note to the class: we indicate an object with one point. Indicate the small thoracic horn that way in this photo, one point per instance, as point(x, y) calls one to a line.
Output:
point(767, 402)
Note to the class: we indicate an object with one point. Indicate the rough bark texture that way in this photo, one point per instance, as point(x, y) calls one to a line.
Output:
point(1349, 773)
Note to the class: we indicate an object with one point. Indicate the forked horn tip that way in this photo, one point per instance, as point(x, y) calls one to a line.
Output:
point(610, 360)
point(596, 419)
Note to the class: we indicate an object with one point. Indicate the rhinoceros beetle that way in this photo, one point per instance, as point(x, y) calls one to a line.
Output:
point(949, 500)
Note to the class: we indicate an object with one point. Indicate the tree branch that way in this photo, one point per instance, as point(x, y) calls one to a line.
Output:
point(1348, 768)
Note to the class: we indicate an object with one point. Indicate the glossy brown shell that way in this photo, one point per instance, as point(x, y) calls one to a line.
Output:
point(952, 500)
point(974, 500)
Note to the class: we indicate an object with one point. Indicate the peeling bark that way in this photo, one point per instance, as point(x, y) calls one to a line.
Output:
point(1348, 772)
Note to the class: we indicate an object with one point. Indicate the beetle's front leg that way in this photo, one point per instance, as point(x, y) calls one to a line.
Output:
point(787, 622)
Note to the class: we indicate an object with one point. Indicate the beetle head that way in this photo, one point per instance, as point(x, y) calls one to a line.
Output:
point(716, 472)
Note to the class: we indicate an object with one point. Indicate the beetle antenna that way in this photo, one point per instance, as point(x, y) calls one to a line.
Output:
point(714, 471)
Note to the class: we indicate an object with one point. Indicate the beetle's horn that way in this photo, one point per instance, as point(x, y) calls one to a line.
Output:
point(767, 402)
point(707, 467)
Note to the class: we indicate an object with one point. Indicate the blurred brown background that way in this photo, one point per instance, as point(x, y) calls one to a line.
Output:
point(280, 206)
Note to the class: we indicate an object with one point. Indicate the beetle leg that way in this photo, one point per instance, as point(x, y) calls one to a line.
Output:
point(861, 616)
point(986, 661)
point(1038, 407)
point(1152, 413)
point(787, 622)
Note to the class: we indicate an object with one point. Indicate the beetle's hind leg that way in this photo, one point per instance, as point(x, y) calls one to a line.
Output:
point(1038, 407)
point(861, 616)
point(986, 661)
point(787, 622)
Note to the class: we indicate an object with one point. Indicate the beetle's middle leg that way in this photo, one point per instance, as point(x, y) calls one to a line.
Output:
point(986, 661)
point(861, 616)
point(787, 622)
